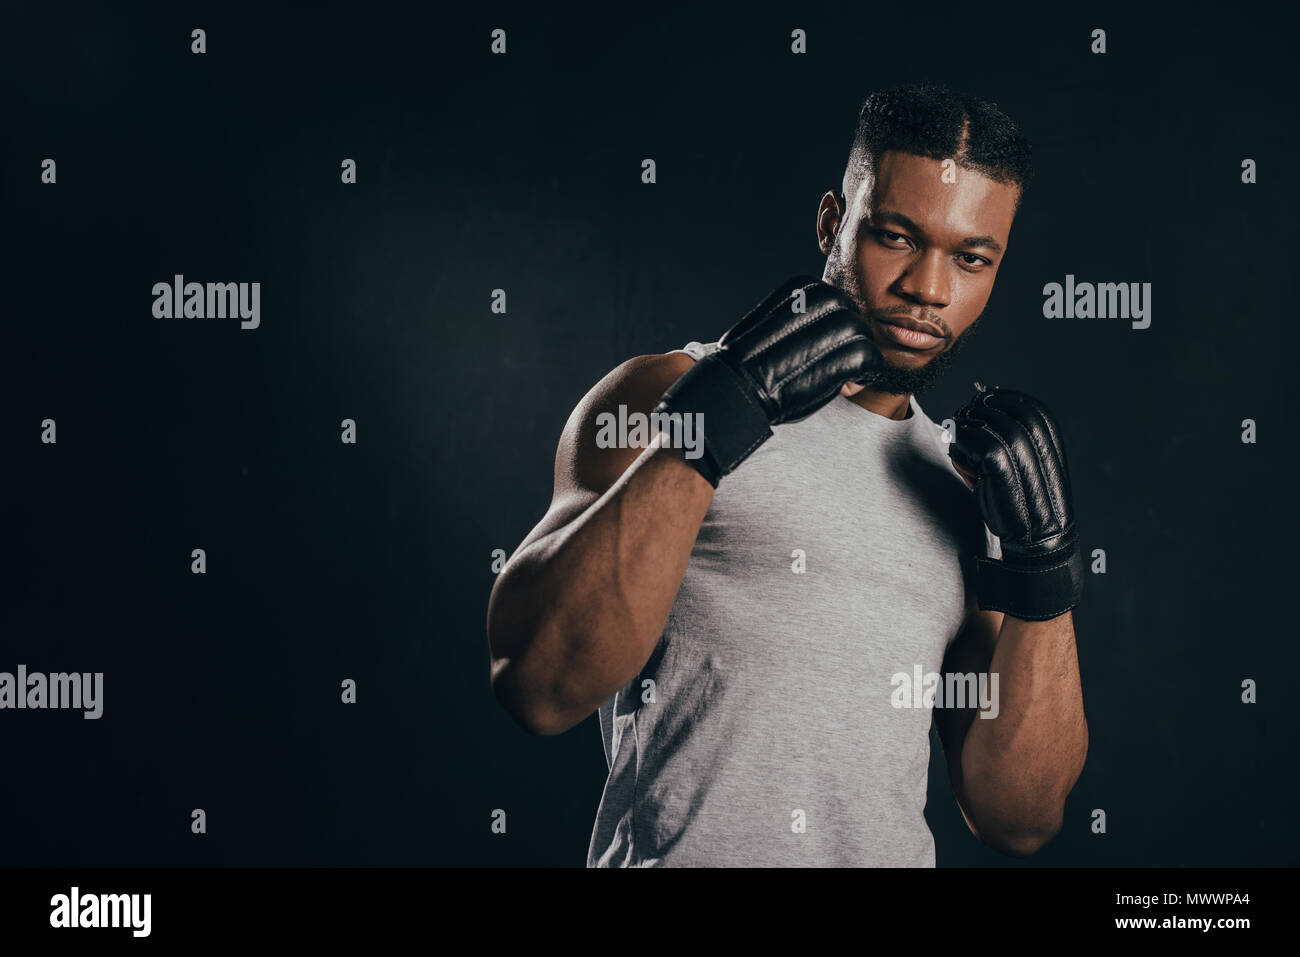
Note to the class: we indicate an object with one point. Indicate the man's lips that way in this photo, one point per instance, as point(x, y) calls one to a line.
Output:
point(910, 333)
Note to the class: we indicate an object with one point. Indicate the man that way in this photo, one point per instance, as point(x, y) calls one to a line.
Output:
point(740, 615)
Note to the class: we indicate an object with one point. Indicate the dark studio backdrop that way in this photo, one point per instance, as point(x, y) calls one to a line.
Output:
point(373, 561)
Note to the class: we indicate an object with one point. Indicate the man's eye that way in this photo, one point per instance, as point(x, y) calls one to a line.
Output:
point(979, 260)
point(888, 235)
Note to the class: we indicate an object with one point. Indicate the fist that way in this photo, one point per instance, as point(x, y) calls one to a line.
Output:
point(799, 346)
point(1009, 450)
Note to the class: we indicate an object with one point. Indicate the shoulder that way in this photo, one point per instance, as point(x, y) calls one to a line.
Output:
point(636, 385)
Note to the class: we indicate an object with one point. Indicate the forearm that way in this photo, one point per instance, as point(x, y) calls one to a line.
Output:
point(575, 615)
point(1018, 767)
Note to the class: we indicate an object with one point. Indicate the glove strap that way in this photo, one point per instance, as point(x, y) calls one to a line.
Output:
point(1032, 589)
point(734, 423)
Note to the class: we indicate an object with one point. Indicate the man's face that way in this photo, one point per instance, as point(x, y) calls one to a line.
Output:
point(912, 247)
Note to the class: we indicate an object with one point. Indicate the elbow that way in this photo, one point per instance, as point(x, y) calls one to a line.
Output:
point(536, 721)
point(512, 688)
point(1017, 827)
point(1022, 842)
point(1033, 829)
point(519, 697)
point(1019, 821)
point(1025, 832)
point(534, 674)
point(543, 722)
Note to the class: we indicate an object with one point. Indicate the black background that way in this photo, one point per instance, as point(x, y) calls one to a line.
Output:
point(522, 172)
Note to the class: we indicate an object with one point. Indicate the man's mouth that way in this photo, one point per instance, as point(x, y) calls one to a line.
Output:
point(908, 333)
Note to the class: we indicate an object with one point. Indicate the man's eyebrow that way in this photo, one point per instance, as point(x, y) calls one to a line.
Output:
point(883, 216)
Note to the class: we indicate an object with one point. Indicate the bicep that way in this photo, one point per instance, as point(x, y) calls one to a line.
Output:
point(584, 470)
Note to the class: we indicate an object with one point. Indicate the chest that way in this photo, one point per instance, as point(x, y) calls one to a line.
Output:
point(857, 560)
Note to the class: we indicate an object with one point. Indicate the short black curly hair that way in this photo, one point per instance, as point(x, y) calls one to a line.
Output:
point(931, 120)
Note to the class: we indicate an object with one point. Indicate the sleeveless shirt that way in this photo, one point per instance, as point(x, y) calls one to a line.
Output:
point(763, 729)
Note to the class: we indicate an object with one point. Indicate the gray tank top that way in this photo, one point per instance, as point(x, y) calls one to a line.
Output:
point(761, 731)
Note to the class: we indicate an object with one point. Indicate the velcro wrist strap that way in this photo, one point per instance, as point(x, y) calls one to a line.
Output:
point(1030, 593)
point(702, 463)
point(734, 424)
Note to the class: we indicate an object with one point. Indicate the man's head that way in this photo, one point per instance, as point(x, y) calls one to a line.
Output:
point(932, 184)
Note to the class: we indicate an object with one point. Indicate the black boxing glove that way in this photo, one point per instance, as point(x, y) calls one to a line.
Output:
point(1009, 443)
point(781, 363)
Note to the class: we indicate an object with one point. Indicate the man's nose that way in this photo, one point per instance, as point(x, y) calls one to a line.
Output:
point(926, 280)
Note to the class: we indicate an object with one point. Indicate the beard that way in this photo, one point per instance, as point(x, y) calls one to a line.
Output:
point(893, 378)
point(900, 380)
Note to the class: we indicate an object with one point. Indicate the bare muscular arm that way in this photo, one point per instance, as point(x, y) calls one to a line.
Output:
point(580, 605)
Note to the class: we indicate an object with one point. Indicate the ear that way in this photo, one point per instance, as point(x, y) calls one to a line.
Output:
point(829, 217)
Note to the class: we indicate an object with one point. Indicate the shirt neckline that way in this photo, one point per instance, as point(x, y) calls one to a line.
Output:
point(882, 422)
